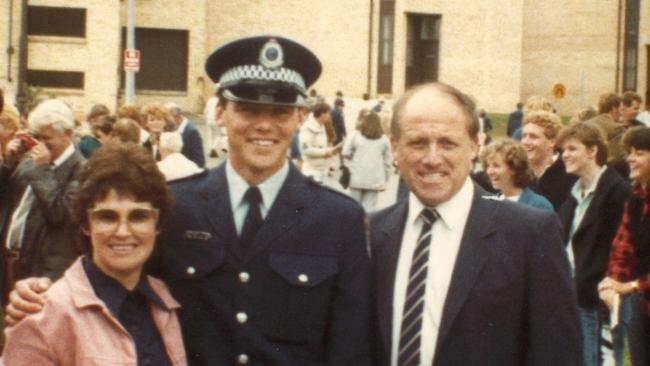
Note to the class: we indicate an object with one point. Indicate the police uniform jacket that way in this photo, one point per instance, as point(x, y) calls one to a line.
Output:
point(299, 296)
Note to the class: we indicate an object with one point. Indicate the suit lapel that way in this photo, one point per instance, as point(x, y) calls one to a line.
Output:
point(285, 212)
point(472, 256)
point(385, 255)
point(592, 213)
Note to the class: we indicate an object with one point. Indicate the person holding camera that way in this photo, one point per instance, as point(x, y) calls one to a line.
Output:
point(38, 236)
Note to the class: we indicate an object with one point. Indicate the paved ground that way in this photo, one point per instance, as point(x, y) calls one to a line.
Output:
point(385, 198)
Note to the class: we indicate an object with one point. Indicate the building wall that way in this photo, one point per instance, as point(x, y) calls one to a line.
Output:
point(337, 32)
point(573, 43)
point(96, 55)
point(500, 52)
point(9, 63)
point(480, 48)
point(176, 14)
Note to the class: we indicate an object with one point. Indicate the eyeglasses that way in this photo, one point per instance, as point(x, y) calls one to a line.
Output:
point(138, 219)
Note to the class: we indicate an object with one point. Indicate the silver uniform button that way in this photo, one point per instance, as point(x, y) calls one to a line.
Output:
point(244, 277)
point(242, 359)
point(242, 317)
point(190, 270)
point(303, 278)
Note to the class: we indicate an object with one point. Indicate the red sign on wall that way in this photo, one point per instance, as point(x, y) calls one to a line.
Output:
point(132, 60)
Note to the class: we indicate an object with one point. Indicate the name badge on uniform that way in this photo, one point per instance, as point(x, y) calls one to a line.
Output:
point(198, 235)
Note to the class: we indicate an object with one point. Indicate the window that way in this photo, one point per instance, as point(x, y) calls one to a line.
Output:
point(163, 59)
point(56, 21)
point(56, 79)
point(631, 44)
point(386, 36)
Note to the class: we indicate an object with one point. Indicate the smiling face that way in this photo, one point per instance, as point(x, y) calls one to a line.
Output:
point(538, 147)
point(121, 252)
point(500, 175)
point(577, 157)
point(259, 136)
point(434, 150)
point(639, 161)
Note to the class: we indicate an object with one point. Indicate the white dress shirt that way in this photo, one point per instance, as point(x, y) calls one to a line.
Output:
point(447, 233)
point(237, 188)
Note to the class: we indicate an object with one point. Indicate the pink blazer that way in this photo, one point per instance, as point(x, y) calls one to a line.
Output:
point(76, 328)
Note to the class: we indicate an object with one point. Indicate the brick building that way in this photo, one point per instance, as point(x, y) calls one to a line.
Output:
point(500, 51)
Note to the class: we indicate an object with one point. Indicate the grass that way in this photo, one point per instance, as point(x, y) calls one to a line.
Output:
point(500, 122)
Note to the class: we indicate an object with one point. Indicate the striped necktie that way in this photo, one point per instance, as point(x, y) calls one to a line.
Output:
point(410, 332)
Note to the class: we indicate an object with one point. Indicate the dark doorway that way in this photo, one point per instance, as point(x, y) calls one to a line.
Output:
point(422, 47)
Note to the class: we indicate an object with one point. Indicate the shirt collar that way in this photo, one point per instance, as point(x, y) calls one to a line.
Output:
point(453, 212)
point(579, 193)
point(112, 293)
point(269, 188)
point(64, 156)
point(182, 126)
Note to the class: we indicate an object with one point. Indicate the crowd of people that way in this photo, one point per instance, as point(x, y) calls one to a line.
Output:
point(532, 248)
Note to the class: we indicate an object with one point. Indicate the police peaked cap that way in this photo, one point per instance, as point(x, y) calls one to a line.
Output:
point(264, 69)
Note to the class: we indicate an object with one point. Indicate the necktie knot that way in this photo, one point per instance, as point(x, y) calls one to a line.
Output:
point(253, 196)
point(429, 215)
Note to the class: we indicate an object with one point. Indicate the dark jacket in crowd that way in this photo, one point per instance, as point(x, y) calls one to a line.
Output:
point(592, 239)
point(514, 121)
point(338, 122)
point(555, 184)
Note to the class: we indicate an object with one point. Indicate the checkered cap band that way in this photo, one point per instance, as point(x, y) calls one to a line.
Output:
point(258, 72)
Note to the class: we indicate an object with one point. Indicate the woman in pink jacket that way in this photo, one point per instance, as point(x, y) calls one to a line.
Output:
point(104, 310)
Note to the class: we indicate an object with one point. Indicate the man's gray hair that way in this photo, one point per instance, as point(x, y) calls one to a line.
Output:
point(53, 113)
point(171, 141)
point(173, 109)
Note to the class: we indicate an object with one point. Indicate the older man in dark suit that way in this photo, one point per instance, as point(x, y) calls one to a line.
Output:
point(461, 278)
point(40, 231)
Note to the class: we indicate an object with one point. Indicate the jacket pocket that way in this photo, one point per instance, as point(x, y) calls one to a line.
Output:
point(298, 298)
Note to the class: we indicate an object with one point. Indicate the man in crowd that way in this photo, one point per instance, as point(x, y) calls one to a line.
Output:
point(540, 130)
point(192, 141)
point(254, 251)
point(514, 119)
point(630, 108)
point(39, 235)
point(461, 279)
point(338, 120)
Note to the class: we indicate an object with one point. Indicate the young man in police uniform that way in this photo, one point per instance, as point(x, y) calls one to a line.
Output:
point(270, 267)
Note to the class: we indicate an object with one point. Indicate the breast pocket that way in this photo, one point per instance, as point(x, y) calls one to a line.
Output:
point(299, 296)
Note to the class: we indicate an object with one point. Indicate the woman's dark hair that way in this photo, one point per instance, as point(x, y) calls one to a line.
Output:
point(371, 126)
point(638, 138)
point(128, 169)
point(320, 108)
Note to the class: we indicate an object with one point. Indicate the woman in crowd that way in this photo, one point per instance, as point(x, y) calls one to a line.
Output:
point(316, 139)
point(126, 130)
point(590, 217)
point(371, 161)
point(505, 163)
point(88, 141)
point(104, 310)
point(628, 272)
point(9, 126)
point(157, 120)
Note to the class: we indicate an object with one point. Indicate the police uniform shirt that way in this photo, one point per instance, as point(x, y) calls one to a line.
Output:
point(131, 308)
point(237, 188)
